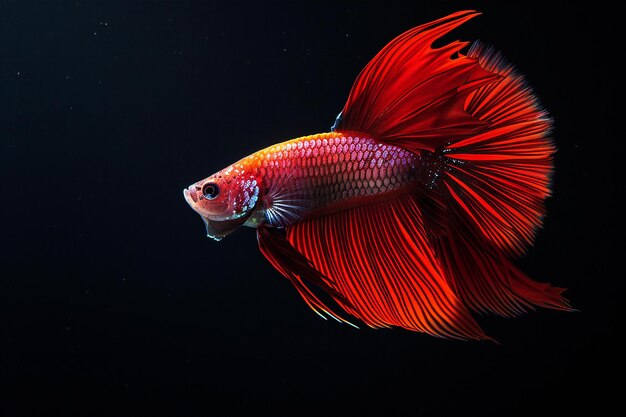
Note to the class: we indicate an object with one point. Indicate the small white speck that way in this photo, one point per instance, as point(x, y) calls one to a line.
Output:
point(284, 49)
point(18, 73)
point(95, 33)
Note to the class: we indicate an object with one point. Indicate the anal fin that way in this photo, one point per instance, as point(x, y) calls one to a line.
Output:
point(379, 259)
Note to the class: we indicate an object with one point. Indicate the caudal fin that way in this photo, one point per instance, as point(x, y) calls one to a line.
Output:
point(495, 183)
point(501, 176)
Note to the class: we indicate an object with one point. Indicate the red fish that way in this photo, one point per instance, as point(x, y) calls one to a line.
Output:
point(410, 211)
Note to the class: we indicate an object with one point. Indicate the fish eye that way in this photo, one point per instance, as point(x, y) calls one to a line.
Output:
point(210, 190)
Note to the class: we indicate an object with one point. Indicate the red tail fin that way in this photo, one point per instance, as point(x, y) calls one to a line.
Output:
point(501, 176)
point(496, 183)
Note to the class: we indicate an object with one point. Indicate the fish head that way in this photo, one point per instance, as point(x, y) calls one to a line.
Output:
point(225, 200)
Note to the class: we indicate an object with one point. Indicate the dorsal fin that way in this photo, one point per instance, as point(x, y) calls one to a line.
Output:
point(413, 95)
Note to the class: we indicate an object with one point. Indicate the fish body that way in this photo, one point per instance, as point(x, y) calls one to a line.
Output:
point(317, 175)
point(410, 212)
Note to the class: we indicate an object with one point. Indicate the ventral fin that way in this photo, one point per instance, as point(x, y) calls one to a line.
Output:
point(294, 266)
point(217, 230)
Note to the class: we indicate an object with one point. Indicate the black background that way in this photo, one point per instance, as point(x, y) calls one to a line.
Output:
point(114, 303)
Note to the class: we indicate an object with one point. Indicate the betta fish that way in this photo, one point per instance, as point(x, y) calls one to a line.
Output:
point(410, 211)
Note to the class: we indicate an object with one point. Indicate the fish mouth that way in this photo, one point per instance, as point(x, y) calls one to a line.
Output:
point(190, 197)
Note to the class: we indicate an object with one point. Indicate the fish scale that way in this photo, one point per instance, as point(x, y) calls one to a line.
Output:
point(332, 168)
